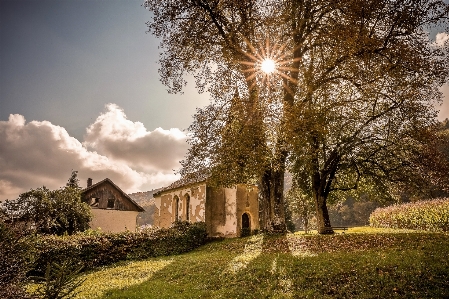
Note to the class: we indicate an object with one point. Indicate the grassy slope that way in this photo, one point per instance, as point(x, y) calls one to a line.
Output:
point(351, 265)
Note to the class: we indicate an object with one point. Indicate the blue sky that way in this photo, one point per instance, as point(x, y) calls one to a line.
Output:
point(63, 60)
point(70, 65)
point(80, 90)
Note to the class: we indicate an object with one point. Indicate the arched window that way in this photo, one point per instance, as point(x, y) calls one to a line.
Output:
point(176, 207)
point(187, 201)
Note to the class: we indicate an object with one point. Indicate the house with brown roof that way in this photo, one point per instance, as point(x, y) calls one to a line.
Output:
point(226, 211)
point(113, 210)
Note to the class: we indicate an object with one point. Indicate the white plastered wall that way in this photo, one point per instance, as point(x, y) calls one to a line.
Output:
point(113, 220)
point(229, 229)
point(164, 214)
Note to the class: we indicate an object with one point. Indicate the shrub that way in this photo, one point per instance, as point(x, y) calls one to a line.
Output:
point(15, 261)
point(52, 211)
point(95, 249)
point(432, 215)
point(245, 232)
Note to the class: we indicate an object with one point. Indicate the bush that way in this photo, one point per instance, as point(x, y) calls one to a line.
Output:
point(15, 261)
point(52, 211)
point(95, 249)
point(432, 215)
point(245, 232)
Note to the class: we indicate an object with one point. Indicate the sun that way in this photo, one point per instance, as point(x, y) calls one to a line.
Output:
point(268, 66)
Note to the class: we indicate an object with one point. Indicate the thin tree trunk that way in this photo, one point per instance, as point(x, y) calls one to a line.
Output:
point(277, 201)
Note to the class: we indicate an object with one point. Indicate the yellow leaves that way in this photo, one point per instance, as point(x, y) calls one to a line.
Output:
point(298, 247)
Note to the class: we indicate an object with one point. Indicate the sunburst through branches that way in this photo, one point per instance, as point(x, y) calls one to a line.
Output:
point(267, 63)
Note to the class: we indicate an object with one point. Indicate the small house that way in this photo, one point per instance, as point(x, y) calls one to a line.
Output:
point(112, 209)
point(226, 211)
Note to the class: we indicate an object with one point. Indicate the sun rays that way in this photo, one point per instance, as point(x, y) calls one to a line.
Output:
point(267, 65)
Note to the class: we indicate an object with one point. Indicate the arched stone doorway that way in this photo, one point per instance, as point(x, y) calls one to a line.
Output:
point(246, 222)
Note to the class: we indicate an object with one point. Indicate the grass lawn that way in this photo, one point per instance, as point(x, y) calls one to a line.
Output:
point(361, 263)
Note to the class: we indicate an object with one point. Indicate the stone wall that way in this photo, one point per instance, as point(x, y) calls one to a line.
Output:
point(165, 213)
point(220, 208)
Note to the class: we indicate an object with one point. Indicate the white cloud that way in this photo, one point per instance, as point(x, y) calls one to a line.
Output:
point(39, 153)
point(444, 108)
point(441, 38)
point(113, 135)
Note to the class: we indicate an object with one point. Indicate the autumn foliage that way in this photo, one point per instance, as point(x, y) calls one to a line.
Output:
point(432, 215)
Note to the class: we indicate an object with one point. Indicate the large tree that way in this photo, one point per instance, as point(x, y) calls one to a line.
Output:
point(355, 82)
point(367, 118)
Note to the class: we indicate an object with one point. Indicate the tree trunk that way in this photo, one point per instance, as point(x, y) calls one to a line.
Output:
point(322, 215)
point(320, 187)
point(264, 201)
point(271, 201)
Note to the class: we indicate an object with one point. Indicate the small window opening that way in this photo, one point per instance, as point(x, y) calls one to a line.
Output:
point(111, 202)
point(94, 202)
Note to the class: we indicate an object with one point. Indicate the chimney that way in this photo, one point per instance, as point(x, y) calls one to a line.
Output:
point(89, 182)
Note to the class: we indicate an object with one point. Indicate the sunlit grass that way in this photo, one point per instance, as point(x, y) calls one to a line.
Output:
point(253, 248)
point(352, 265)
point(362, 263)
point(360, 229)
point(120, 276)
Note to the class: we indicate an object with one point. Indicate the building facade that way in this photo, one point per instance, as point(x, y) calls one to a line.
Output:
point(226, 211)
point(112, 209)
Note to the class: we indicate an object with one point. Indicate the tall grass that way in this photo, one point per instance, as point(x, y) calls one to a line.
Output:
point(432, 215)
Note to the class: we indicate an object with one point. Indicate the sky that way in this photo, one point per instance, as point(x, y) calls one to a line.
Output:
point(80, 90)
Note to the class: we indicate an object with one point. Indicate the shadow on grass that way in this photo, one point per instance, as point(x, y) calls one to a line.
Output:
point(340, 266)
point(189, 275)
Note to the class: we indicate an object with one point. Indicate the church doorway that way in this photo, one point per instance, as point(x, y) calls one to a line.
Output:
point(245, 221)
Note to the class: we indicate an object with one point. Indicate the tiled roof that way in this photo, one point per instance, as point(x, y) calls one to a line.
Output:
point(190, 179)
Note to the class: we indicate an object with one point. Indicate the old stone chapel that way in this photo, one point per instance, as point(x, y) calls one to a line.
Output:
point(226, 211)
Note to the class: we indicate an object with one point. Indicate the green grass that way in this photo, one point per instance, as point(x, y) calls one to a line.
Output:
point(357, 264)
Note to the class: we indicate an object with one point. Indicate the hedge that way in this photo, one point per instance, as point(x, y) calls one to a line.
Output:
point(94, 249)
point(431, 215)
point(16, 256)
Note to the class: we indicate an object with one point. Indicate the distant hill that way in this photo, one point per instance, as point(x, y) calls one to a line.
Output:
point(146, 201)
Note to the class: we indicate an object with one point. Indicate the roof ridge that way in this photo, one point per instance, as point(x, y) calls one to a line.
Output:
point(118, 188)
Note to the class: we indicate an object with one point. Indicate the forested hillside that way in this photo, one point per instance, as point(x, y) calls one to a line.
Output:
point(146, 201)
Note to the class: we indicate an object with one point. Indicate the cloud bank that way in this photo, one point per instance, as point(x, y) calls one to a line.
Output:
point(40, 153)
point(441, 38)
